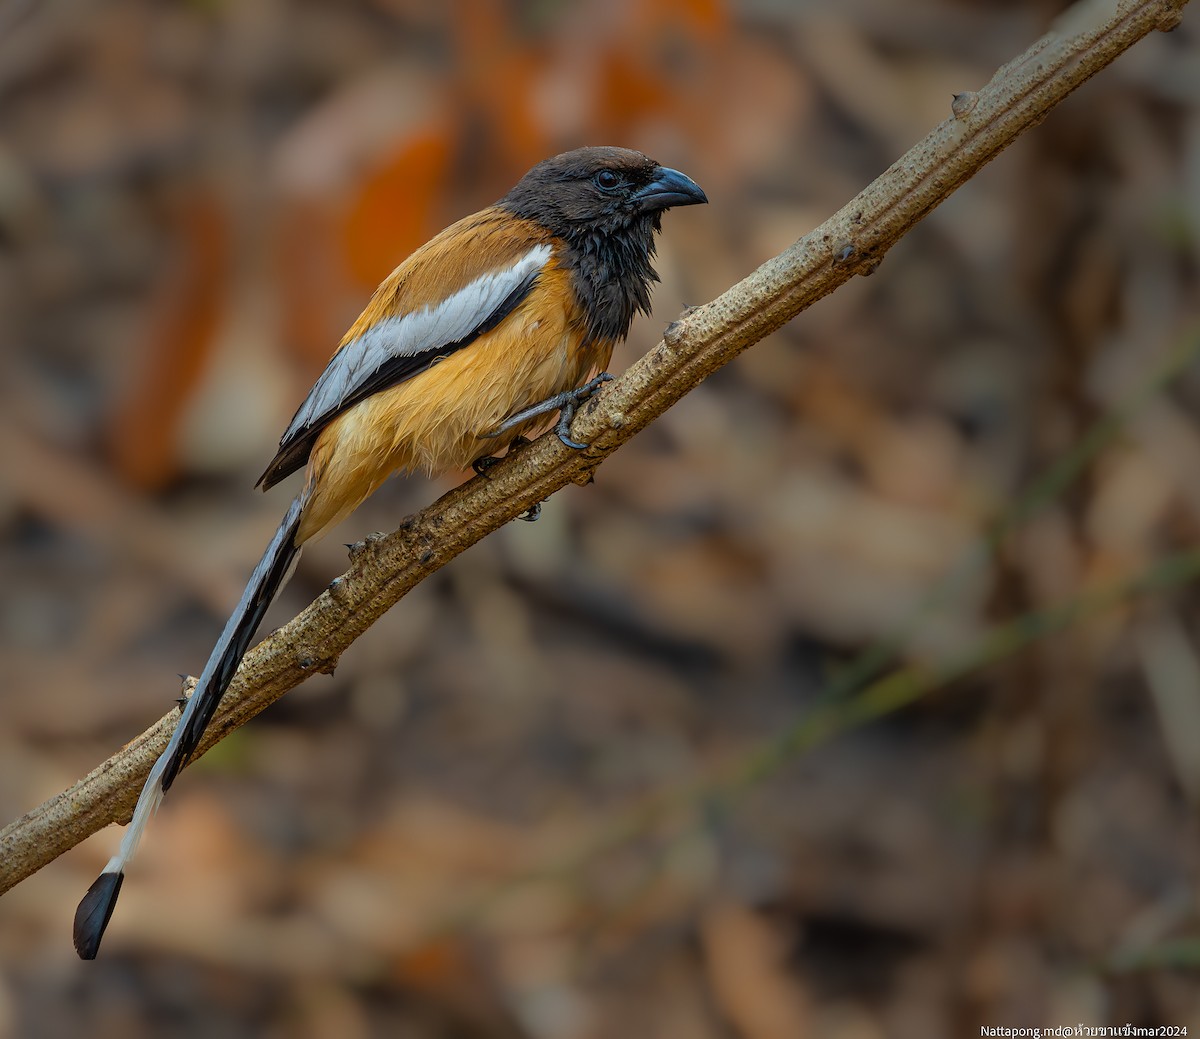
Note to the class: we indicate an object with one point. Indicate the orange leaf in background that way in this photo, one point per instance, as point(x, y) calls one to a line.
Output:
point(433, 965)
point(496, 71)
point(500, 102)
point(397, 207)
point(445, 972)
point(704, 19)
point(167, 367)
point(311, 283)
point(656, 59)
point(709, 17)
point(629, 90)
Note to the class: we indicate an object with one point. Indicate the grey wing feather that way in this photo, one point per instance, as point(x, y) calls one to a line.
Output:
point(400, 347)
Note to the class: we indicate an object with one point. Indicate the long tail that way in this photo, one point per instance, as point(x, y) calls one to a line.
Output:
point(95, 910)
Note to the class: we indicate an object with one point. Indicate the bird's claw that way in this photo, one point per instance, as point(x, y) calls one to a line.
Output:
point(565, 403)
point(481, 465)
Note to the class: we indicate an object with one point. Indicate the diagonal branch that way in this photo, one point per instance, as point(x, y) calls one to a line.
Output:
point(852, 241)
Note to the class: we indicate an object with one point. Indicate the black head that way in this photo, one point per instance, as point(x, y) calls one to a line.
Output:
point(606, 204)
point(599, 189)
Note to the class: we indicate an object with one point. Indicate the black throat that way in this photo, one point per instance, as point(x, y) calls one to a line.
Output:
point(609, 257)
point(612, 272)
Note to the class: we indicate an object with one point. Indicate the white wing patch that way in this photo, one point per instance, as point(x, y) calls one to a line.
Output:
point(416, 332)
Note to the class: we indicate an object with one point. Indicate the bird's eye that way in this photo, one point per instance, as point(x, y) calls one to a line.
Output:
point(607, 179)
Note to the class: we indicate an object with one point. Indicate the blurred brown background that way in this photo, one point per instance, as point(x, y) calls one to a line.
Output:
point(448, 837)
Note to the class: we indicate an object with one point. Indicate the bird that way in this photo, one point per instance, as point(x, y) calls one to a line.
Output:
point(504, 318)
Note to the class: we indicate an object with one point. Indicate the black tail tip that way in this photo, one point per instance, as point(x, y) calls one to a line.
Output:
point(94, 912)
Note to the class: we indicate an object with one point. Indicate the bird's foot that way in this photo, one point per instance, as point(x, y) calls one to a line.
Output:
point(565, 403)
point(481, 465)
